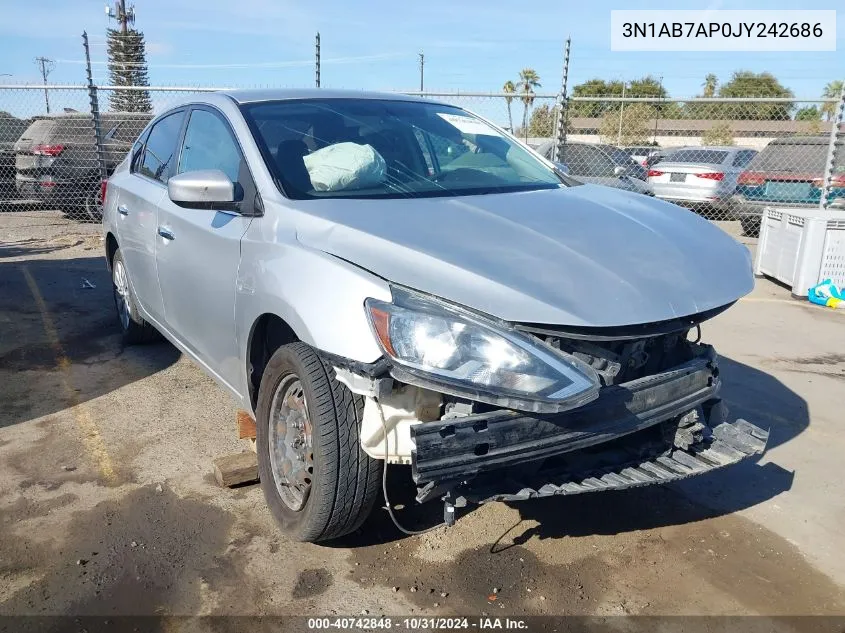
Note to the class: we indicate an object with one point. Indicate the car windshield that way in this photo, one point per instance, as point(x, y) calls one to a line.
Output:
point(707, 156)
point(371, 148)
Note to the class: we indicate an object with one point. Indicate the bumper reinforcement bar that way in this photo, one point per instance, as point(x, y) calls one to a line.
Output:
point(729, 444)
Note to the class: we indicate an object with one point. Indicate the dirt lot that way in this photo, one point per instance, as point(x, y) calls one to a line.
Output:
point(107, 504)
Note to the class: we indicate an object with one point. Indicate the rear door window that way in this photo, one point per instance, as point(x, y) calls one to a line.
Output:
point(706, 156)
point(157, 160)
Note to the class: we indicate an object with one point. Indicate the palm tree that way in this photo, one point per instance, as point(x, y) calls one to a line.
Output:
point(709, 85)
point(831, 91)
point(528, 80)
point(509, 88)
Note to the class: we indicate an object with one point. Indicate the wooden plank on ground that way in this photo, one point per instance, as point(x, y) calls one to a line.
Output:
point(239, 468)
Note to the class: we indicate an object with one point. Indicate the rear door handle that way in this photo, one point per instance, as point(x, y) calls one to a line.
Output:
point(166, 233)
point(123, 209)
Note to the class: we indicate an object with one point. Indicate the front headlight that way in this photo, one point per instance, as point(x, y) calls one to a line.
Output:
point(443, 347)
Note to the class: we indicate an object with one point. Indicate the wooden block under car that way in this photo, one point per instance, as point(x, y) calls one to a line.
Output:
point(246, 425)
point(239, 468)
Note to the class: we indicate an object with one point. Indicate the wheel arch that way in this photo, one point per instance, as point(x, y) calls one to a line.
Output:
point(111, 248)
point(267, 334)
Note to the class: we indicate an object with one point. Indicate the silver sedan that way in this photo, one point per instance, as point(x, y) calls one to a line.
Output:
point(379, 279)
point(704, 177)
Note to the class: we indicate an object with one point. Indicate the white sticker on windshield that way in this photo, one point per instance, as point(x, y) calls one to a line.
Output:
point(467, 124)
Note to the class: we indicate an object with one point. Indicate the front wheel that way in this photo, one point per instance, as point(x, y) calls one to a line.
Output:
point(318, 483)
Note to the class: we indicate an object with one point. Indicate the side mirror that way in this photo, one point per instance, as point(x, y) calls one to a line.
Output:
point(619, 170)
point(201, 188)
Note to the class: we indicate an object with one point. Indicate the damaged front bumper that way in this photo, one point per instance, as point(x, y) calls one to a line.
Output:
point(654, 429)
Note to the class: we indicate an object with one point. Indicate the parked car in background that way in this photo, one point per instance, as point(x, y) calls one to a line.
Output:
point(640, 154)
point(658, 155)
point(56, 158)
point(373, 294)
point(11, 129)
point(600, 165)
point(787, 172)
point(701, 177)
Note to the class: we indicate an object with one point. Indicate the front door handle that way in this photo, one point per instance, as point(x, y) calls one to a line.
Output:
point(166, 233)
point(123, 209)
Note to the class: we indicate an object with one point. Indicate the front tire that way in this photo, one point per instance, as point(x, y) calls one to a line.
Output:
point(134, 328)
point(318, 483)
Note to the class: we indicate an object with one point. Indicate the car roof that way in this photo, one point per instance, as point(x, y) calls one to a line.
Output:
point(285, 94)
point(802, 140)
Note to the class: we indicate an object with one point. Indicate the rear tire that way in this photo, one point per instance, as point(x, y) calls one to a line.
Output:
point(93, 203)
point(750, 227)
point(342, 480)
point(134, 328)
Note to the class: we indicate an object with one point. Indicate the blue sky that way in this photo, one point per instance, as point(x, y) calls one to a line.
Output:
point(471, 45)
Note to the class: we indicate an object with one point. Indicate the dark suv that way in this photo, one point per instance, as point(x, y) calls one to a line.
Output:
point(787, 172)
point(56, 158)
point(11, 128)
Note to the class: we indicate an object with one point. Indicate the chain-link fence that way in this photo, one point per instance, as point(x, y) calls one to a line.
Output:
point(723, 158)
point(50, 157)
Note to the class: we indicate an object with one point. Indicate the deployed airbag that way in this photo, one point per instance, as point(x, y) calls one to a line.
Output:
point(345, 166)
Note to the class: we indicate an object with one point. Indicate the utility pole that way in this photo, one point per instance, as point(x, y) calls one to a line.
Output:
point(621, 108)
point(563, 108)
point(47, 66)
point(123, 17)
point(657, 112)
point(837, 118)
point(422, 71)
point(317, 67)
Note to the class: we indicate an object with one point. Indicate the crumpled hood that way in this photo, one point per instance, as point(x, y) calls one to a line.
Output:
point(583, 256)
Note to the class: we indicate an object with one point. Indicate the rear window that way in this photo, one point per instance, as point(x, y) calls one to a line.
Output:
point(795, 157)
point(73, 127)
point(39, 130)
point(708, 156)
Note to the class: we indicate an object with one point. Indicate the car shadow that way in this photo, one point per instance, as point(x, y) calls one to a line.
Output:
point(750, 393)
point(60, 343)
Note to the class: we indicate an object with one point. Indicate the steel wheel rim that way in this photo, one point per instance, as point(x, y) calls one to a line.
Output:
point(121, 293)
point(290, 443)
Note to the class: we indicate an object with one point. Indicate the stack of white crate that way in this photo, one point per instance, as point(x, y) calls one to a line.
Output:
point(801, 247)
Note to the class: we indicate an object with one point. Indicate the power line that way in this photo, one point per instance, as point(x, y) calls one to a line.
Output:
point(47, 66)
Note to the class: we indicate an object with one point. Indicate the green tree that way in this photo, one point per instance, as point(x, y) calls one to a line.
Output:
point(509, 88)
point(128, 67)
point(718, 134)
point(808, 113)
point(709, 85)
point(630, 127)
point(831, 91)
point(542, 123)
point(528, 80)
point(646, 86)
point(745, 83)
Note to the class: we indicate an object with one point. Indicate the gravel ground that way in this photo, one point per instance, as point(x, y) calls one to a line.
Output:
point(108, 506)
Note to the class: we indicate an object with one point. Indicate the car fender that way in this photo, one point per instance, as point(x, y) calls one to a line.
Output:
point(320, 296)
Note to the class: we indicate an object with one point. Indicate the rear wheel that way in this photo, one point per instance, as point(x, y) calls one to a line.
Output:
point(750, 226)
point(317, 481)
point(132, 325)
point(93, 203)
